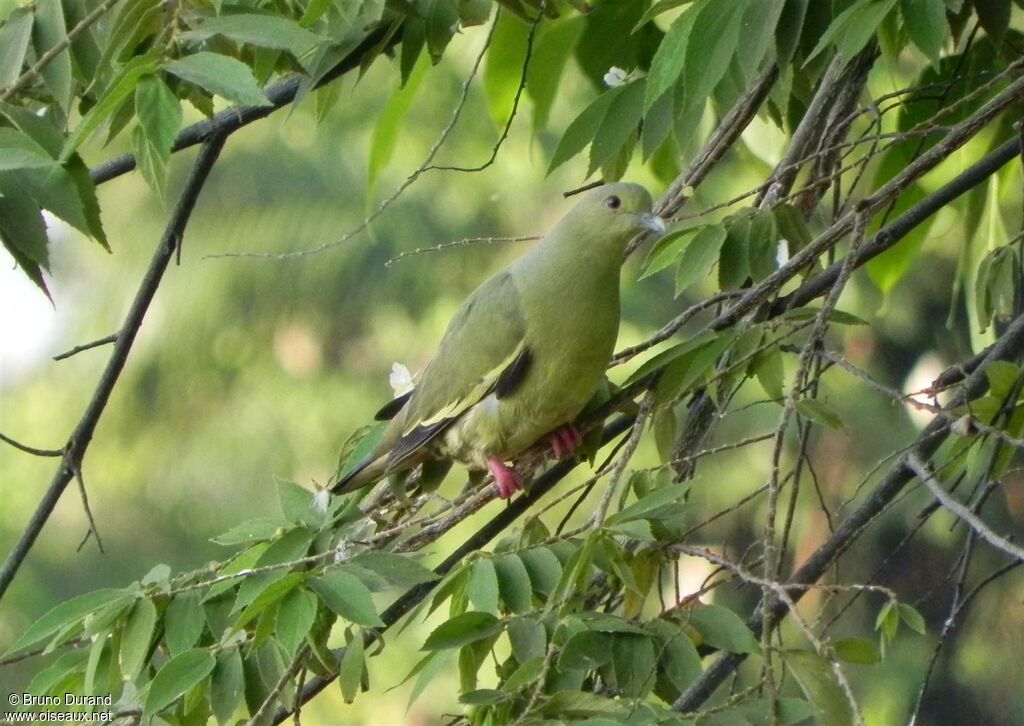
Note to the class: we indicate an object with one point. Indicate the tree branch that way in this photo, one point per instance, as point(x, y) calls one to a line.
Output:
point(71, 461)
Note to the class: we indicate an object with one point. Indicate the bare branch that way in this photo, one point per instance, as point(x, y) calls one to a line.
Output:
point(87, 346)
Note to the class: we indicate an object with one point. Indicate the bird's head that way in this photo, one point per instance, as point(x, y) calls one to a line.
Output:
point(618, 212)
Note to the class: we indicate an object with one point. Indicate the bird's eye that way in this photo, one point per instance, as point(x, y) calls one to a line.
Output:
point(613, 202)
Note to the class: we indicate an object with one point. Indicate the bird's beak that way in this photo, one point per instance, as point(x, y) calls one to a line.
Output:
point(652, 223)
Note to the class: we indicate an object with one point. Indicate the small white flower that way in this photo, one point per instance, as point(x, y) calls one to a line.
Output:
point(400, 379)
point(615, 77)
point(782, 252)
point(321, 500)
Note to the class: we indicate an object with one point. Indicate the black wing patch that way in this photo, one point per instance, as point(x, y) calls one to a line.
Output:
point(513, 375)
point(390, 409)
point(414, 441)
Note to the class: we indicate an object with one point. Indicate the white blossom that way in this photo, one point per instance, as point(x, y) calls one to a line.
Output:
point(615, 77)
point(321, 500)
point(782, 252)
point(400, 379)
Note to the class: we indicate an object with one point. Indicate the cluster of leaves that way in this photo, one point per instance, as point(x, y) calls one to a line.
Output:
point(232, 637)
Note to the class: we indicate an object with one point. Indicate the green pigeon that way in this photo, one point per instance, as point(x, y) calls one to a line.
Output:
point(524, 353)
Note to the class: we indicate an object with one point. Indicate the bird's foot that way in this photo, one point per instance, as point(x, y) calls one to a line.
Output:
point(565, 440)
point(508, 480)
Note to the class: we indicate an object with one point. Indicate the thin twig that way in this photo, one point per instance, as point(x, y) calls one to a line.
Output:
point(31, 449)
point(87, 346)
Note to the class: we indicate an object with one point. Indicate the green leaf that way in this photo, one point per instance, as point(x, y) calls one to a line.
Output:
point(651, 503)
point(427, 669)
point(46, 680)
point(759, 20)
point(769, 371)
point(667, 250)
point(853, 28)
point(666, 357)
point(227, 685)
point(788, 30)
point(79, 173)
point(252, 530)
point(840, 317)
point(136, 637)
point(504, 66)
point(348, 597)
point(713, 42)
point(220, 75)
point(292, 546)
point(676, 653)
point(178, 675)
point(483, 586)
point(698, 256)
point(159, 112)
point(50, 30)
point(784, 712)
point(513, 583)
point(819, 412)
point(618, 125)
point(65, 614)
point(544, 568)
point(295, 617)
point(580, 704)
point(265, 31)
point(483, 697)
point(912, 618)
point(20, 151)
point(994, 16)
point(399, 570)
point(389, 123)
point(723, 629)
point(634, 661)
point(669, 60)
point(583, 128)
point(528, 638)
point(270, 595)
point(441, 23)
point(587, 650)
point(819, 684)
point(857, 650)
point(350, 672)
point(925, 23)
point(120, 87)
point(183, 622)
point(23, 230)
point(14, 37)
point(552, 46)
point(462, 630)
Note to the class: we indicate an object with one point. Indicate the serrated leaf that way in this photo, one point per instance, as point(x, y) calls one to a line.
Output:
point(20, 151)
point(462, 630)
point(348, 597)
point(136, 637)
point(819, 412)
point(788, 30)
point(552, 46)
point(698, 256)
point(667, 250)
point(670, 57)
point(220, 75)
point(713, 42)
point(583, 128)
point(721, 628)
point(853, 28)
point(178, 675)
point(617, 126)
point(120, 87)
point(159, 112)
point(23, 230)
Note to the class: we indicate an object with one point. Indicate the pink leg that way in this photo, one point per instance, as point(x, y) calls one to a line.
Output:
point(508, 480)
point(565, 440)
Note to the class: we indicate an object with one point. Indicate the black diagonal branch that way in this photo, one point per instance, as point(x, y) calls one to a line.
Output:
point(74, 452)
point(1010, 346)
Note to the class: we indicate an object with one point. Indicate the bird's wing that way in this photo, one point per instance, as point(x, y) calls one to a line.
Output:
point(484, 350)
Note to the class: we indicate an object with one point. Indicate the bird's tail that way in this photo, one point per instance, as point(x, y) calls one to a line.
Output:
point(366, 472)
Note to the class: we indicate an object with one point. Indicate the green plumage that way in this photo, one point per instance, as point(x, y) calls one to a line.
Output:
point(527, 349)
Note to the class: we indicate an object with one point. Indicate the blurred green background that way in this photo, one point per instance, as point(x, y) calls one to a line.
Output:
point(250, 369)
